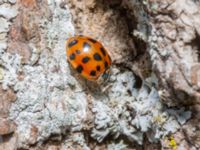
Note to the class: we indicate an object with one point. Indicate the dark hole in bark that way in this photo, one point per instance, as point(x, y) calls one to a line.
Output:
point(196, 45)
point(138, 83)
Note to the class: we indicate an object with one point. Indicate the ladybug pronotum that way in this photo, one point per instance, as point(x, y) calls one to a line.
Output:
point(88, 57)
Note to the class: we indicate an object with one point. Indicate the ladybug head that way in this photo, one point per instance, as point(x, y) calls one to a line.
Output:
point(104, 77)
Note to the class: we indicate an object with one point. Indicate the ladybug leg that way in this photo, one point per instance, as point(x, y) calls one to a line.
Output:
point(104, 89)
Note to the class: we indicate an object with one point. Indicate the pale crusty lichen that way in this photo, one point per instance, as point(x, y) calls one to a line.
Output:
point(117, 146)
point(9, 64)
point(8, 11)
point(1, 73)
point(10, 68)
point(133, 112)
point(44, 98)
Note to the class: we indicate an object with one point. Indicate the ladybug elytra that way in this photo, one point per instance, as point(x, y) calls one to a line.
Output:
point(88, 57)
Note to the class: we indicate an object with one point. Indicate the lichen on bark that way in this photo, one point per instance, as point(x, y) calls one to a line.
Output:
point(152, 97)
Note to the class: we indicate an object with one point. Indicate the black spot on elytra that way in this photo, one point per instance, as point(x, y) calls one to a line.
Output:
point(97, 57)
point(72, 56)
point(78, 51)
point(85, 59)
point(103, 51)
point(72, 43)
point(93, 73)
point(106, 64)
point(86, 45)
point(92, 40)
point(79, 69)
point(98, 68)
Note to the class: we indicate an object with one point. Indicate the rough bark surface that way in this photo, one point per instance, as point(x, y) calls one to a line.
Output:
point(152, 98)
point(175, 53)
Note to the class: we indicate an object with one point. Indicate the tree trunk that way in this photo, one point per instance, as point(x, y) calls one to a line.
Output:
point(151, 100)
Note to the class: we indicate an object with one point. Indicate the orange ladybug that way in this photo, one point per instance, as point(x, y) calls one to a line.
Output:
point(88, 57)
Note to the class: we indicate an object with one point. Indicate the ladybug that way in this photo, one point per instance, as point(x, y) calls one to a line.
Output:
point(88, 57)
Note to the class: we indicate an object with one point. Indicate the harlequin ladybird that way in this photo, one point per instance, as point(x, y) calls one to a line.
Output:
point(88, 57)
